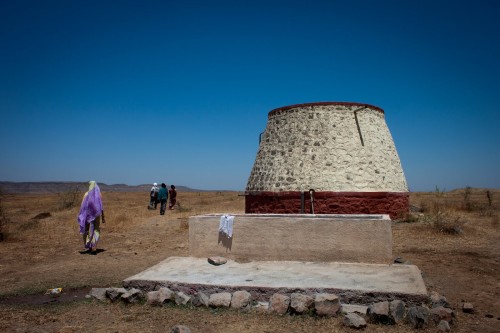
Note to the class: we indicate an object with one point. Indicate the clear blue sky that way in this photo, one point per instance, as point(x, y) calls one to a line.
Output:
point(178, 91)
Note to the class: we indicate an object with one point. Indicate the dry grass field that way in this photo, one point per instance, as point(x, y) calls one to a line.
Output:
point(454, 240)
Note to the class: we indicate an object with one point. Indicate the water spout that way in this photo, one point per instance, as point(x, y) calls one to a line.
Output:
point(311, 194)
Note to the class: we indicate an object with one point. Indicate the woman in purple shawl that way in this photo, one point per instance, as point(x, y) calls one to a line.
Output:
point(90, 216)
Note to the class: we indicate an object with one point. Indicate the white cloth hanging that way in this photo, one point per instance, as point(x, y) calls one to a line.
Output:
point(226, 225)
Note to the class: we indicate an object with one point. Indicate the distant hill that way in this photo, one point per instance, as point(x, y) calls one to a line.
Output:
point(57, 187)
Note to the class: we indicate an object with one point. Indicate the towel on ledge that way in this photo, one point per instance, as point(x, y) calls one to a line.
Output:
point(226, 225)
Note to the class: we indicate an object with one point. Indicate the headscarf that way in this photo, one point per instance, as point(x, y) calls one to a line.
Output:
point(91, 207)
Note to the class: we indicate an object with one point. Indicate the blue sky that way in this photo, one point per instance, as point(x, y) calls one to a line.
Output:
point(178, 91)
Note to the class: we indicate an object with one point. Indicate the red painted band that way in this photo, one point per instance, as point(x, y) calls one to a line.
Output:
point(393, 203)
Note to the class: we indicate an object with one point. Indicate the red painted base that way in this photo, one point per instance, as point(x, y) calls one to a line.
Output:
point(393, 203)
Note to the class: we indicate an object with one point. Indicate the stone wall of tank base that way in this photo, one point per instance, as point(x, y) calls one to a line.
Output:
point(395, 204)
point(366, 239)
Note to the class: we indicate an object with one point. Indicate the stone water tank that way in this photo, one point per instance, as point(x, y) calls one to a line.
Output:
point(327, 158)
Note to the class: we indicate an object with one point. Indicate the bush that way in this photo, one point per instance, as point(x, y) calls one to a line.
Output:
point(489, 196)
point(71, 197)
point(407, 217)
point(445, 222)
point(3, 219)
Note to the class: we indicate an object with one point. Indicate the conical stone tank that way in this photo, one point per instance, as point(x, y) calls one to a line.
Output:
point(327, 158)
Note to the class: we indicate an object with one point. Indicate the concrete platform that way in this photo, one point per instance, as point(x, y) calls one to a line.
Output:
point(355, 283)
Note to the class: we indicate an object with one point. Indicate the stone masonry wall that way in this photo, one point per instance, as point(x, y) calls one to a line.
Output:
point(319, 146)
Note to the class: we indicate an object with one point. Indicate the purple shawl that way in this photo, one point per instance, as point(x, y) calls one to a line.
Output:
point(91, 207)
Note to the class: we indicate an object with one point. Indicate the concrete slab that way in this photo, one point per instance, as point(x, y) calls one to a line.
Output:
point(356, 283)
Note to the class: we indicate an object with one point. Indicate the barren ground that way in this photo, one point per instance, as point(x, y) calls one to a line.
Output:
point(41, 253)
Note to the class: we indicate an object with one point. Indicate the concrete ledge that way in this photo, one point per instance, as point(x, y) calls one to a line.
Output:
point(317, 238)
point(353, 283)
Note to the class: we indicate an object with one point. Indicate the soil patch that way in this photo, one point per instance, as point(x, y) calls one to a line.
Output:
point(66, 296)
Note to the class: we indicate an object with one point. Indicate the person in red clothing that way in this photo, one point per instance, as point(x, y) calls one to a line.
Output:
point(172, 196)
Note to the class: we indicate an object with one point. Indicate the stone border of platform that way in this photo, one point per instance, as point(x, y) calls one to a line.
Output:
point(438, 313)
point(263, 293)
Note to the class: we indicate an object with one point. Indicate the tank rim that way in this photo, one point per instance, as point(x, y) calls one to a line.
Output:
point(288, 107)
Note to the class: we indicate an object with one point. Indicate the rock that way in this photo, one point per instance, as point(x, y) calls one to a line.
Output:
point(354, 308)
point(181, 329)
point(399, 260)
point(217, 261)
point(326, 304)
point(397, 311)
point(153, 298)
point(132, 296)
point(355, 321)
point(240, 299)
point(181, 298)
point(262, 307)
point(220, 300)
point(301, 303)
point(379, 313)
point(200, 299)
point(159, 297)
point(438, 300)
point(98, 293)
point(115, 293)
point(468, 308)
point(279, 303)
point(434, 297)
point(441, 313)
point(418, 316)
point(443, 326)
point(166, 294)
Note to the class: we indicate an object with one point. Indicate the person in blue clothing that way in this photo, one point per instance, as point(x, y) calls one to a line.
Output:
point(163, 197)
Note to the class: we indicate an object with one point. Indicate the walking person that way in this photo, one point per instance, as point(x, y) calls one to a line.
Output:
point(173, 197)
point(153, 196)
point(163, 196)
point(90, 217)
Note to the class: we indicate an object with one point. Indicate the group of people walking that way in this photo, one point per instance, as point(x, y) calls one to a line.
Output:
point(91, 213)
point(161, 195)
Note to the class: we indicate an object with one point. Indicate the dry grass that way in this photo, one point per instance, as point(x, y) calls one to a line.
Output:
point(124, 211)
point(450, 212)
point(42, 252)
